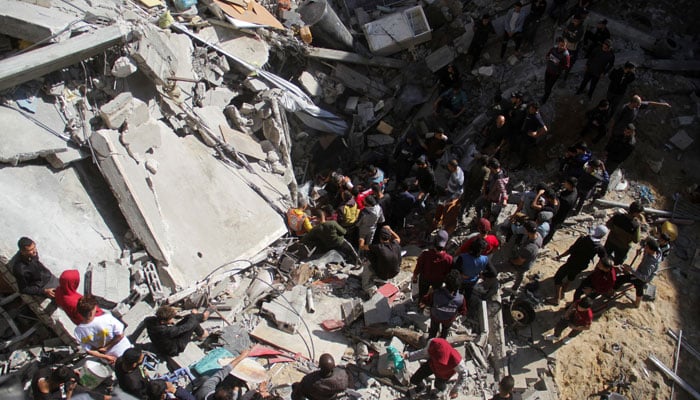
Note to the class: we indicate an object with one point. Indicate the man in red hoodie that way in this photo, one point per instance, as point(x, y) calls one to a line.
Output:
point(443, 361)
point(67, 295)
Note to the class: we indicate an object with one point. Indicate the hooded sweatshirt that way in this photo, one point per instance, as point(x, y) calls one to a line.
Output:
point(67, 295)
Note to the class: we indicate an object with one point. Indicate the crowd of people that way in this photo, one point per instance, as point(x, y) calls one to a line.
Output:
point(364, 217)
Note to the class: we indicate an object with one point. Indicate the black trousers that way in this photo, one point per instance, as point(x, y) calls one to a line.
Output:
point(549, 81)
point(422, 373)
point(593, 79)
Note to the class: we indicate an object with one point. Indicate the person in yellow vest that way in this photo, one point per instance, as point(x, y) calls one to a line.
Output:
point(298, 220)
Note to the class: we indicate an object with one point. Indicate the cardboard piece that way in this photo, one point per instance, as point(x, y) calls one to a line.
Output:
point(254, 13)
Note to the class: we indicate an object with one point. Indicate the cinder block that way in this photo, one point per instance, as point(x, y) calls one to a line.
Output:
point(377, 310)
point(110, 281)
point(255, 85)
point(116, 111)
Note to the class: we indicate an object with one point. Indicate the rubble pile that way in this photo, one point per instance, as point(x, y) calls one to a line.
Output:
point(156, 147)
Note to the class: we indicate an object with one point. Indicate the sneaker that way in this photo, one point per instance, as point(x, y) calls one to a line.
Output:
point(567, 340)
point(550, 338)
point(416, 392)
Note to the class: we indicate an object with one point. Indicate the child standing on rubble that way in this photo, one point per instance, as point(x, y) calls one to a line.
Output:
point(445, 303)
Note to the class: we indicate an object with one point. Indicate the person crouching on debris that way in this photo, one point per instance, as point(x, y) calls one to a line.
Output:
point(298, 220)
point(324, 384)
point(221, 385)
point(445, 303)
point(169, 338)
point(443, 361)
point(645, 270)
point(578, 317)
point(131, 376)
point(33, 278)
point(384, 260)
point(100, 336)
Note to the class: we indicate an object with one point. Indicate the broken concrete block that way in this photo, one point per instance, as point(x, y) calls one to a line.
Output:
point(285, 314)
point(218, 97)
point(115, 112)
point(242, 142)
point(110, 281)
point(190, 356)
point(153, 54)
point(141, 139)
point(685, 120)
point(351, 104)
point(310, 84)
point(33, 23)
point(247, 108)
point(123, 67)
point(681, 140)
point(486, 71)
point(365, 111)
point(379, 140)
point(62, 159)
point(376, 310)
point(254, 84)
point(351, 311)
point(135, 316)
point(440, 58)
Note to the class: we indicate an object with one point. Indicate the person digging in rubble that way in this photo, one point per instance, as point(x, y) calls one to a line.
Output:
point(103, 336)
point(131, 376)
point(170, 339)
point(432, 265)
point(646, 269)
point(483, 228)
point(33, 278)
point(325, 384)
point(494, 193)
point(505, 388)
point(424, 179)
point(470, 265)
point(445, 304)
point(298, 220)
point(580, 254)
point(327, 236)
point(222, 385)
point(435, 144)
point(578, 317)
point(443, 361)
point(599, 282)
point(67, 295)
point(384, 260)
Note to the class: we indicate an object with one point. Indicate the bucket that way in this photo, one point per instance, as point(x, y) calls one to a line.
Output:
point(93, 373)
point(325, 25)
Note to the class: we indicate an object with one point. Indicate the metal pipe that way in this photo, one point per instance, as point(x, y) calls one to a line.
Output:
point(675, 362)
point(685, 344)
point(676, 378)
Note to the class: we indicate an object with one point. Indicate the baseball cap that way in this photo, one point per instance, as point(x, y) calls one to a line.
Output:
point(421, 160)
point(484, 225)
point(598, 232)
point(441, 238)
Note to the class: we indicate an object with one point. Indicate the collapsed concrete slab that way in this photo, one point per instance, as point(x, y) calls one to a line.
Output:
point(33, 23)
point(23, 140)
point(195, 214)
point(60, 215)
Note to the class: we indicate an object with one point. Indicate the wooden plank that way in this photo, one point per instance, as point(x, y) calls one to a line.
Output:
point(33, 23)
point(37, 63)
point(345, 56)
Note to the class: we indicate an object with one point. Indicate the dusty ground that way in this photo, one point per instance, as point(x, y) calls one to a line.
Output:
point(621, 339)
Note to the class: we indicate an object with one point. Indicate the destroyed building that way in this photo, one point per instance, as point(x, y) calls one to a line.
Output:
point(156, 147)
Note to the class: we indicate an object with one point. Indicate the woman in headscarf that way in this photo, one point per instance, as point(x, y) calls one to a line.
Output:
point(67, 295)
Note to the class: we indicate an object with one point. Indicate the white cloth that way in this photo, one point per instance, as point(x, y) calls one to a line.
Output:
point(101, 331)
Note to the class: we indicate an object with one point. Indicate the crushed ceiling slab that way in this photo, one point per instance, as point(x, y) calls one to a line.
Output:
point(194, 213)
point(57, 211)
point(22, 140)
point(33, 23)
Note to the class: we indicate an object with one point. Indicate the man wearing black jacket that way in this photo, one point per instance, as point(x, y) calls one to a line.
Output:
point(33, 278)
point(620, 78)
point(599, 63)
point(169, 338)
